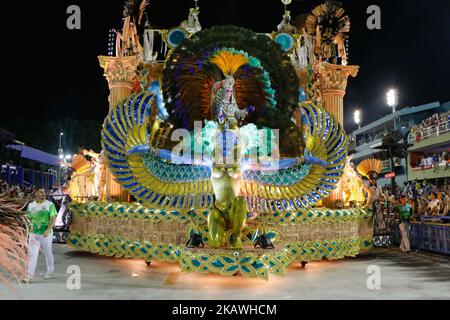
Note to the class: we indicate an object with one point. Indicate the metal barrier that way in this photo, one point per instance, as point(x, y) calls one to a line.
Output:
point(434, 237)
point(15, 175)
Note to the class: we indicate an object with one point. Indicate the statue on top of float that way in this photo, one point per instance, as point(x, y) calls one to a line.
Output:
point(192, 24)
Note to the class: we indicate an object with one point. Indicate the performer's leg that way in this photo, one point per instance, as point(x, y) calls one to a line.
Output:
point(382, 223)
point(407, 243)
point(375, 218)
point(402, 233)
point(47, 243)
point(406, 246)
point(33, 249)
point(216, 228)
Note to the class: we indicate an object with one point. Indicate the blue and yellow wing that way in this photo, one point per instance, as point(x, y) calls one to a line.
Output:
point(303, 185)
point(151, 180)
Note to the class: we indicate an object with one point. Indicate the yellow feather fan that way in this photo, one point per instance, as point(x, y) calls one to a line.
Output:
point(81, 164)
point(229, 62)
point(369, 166)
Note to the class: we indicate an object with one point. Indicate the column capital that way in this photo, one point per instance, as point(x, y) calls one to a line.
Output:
point(333, 78)
point(119, 71)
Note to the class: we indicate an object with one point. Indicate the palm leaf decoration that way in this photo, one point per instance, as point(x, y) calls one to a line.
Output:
point(13, 246)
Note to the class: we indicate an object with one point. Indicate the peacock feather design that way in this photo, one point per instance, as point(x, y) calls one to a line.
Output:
point(160, 184)
point(266, 80)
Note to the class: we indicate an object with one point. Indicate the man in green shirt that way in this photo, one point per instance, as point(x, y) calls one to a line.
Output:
point(405, 213)
point(42, 215)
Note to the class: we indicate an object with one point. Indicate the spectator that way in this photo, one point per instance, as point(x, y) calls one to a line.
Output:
point(446, 158)
point(435, 162)
point(430, 126)
point(444, 203)
point(406, 187)
point(405, 215)
point(433, 205)
point(438, 193)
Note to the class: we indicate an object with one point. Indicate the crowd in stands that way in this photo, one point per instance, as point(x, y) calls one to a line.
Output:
point(17, 197)
point(14, 196)
point(440, 121)
point(426, 198)
point(434, 160)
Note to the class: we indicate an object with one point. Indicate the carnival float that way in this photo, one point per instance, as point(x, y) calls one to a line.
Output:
point(228, 154)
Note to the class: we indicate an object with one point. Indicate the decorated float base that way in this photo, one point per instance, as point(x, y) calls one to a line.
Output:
point(133, 231)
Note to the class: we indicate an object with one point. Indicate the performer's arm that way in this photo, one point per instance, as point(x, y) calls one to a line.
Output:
point(241, 114)
point(268, 165)
point(53, 215)
point(382, 194)
point(363, 184)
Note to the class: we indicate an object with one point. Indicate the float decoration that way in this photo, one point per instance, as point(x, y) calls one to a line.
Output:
point(352, 187)
point(370, 168)
point(88, 178)
point(135, 231)
point(234, 184)
point(329, 24)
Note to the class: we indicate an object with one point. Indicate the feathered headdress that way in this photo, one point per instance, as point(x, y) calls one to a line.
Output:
point(135, 9)
point(329, 24)
point(264, 78)
point(370, 168)
point(229, 62)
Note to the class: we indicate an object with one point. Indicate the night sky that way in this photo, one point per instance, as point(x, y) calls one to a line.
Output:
point(56, 74)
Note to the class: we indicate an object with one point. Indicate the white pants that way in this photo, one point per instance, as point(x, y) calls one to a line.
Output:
point(404, 230)
point(35, 242)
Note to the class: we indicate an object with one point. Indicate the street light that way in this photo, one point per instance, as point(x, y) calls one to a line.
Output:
point(392, 99)
point(68, 157)
point(61, 157)
point(357, 118)
point(60, 150)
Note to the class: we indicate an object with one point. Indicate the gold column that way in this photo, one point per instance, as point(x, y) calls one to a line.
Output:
point(120, 73)
point(333, 85)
